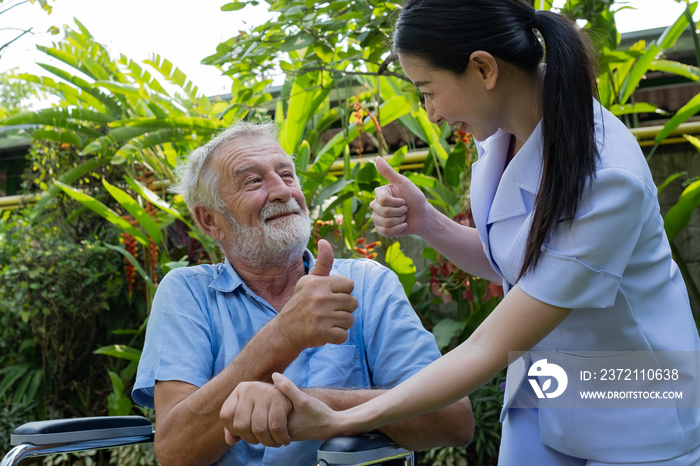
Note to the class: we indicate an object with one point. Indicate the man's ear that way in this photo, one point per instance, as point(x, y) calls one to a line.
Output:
point(209, 221)
point(487, 67)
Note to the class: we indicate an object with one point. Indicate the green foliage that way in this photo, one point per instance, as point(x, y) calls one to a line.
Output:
point(55, 298)
point(111, 145)
point(341, 38)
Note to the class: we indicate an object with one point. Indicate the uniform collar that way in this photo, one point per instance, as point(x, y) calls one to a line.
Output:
point(523, 173)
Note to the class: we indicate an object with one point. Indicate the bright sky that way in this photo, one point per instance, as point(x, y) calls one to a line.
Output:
point(185, 32)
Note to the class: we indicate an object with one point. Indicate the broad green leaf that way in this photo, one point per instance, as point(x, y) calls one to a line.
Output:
point(682, 115)
point(672, 33)
point(307, 94)
point(421, 180)
point(431, 135)
point(106, 101)
point(58, 116)
point(168, 266)
point(397, 159)
point(136, 211)
point(641, 107)
point(447, 329)
point(115, 136)
point(154, 199)
point(679, 215)
point(638, 71)
point(302, 156)
point(679, 69)
point(368, 177)
point(181, 122)
point(331, 190)
point(104, 211)
point(58, 136)
point(672, 178)
point(235, 6)
point(402, 266)
point(120, 351)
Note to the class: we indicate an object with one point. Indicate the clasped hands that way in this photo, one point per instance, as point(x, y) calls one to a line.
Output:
point(275, 414)
point(319, 312)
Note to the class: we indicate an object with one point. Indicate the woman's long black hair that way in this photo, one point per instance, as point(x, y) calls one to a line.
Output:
point(446, 33)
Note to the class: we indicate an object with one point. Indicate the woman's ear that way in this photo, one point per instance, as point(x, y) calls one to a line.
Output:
point(487, 67)
point(208, 221)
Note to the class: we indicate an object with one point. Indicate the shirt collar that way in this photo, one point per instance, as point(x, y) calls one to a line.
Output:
point(228, 279)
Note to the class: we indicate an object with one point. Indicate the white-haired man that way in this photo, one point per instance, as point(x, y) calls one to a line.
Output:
point(330, 325)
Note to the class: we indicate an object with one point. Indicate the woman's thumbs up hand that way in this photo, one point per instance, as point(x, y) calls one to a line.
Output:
point(399, 208)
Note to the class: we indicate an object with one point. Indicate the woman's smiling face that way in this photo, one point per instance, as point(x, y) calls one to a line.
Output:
point(460, 100)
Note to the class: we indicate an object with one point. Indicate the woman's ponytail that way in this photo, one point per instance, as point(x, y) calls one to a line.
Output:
point(570, 152)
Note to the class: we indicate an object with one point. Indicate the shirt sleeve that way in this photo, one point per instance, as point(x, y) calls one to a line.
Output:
point(397, 345)
point(582, 263)
point(178, 339)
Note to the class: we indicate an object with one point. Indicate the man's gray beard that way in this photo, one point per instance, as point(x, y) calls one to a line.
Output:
point(281, 244)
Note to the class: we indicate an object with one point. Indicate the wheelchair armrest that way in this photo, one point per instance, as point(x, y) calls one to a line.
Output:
point(67, 435)
point(80, 429)
point(363, 449)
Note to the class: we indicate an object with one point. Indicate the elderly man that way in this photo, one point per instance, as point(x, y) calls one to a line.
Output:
point(330, 325)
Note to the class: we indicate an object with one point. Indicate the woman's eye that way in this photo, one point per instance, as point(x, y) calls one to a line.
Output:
point(422, 96)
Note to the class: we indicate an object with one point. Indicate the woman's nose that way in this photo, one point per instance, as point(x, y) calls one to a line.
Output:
point(433, 116)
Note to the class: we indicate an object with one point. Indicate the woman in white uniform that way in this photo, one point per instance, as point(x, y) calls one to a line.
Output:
point(567, 220)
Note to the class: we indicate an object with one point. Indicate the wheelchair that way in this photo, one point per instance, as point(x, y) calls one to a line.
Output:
point(43, 438)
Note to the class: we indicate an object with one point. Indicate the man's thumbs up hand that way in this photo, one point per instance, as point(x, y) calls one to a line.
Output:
point(324, 261)
point(320, 310)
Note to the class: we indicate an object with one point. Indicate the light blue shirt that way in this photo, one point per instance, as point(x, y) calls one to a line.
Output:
point(613, 266)
point(202, 316)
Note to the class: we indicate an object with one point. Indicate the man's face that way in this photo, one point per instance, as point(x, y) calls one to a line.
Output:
point(268, 215)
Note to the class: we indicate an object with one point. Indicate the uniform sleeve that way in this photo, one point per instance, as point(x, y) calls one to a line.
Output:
point(397, 345)
point(582, 263)
point(178, 339)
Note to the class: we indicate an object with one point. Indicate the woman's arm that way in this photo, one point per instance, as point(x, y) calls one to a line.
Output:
point(517, 324)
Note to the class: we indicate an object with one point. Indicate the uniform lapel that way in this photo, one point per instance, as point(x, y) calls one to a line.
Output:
point(497, 194)
point(522, 174)
point(486, 174)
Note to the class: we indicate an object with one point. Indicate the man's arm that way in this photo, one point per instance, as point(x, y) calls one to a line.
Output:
point(188, 429)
